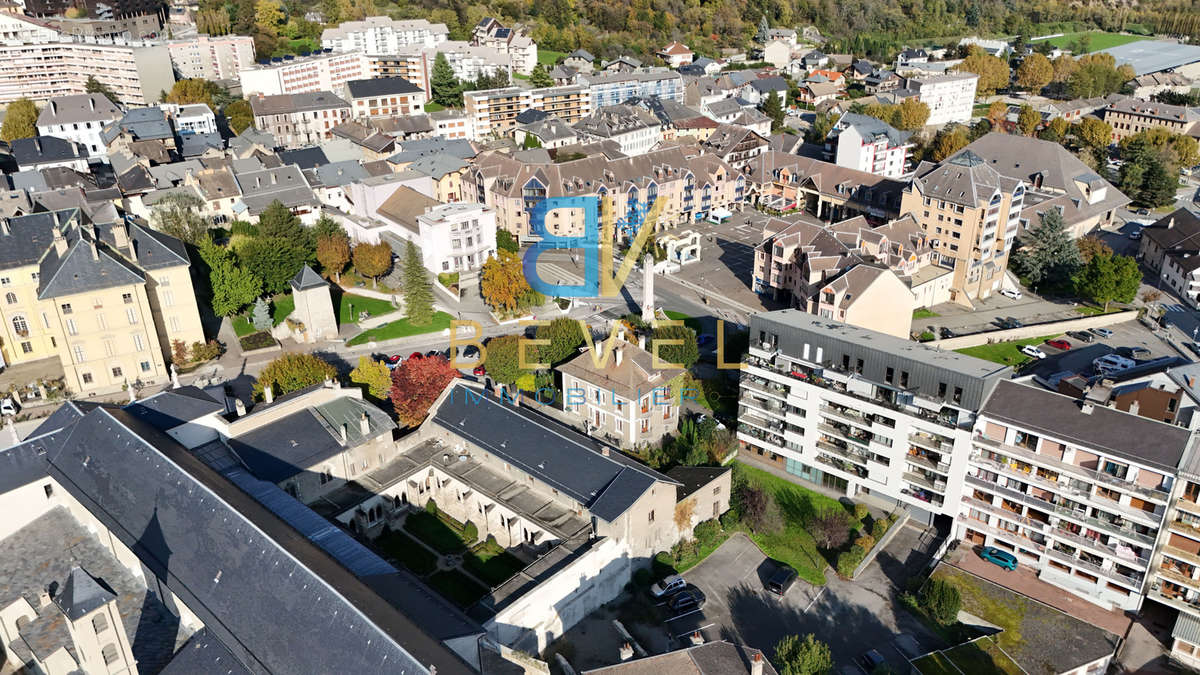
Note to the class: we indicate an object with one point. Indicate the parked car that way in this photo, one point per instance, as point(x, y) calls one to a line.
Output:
point(1059, 343)
point(1002, 558)
point(1010, 322)
point(1010, 293)
point(1102, 332)
point(1139, 353)
point(1030, 350)
point(8, 406)
point(947, 333)
point(392, 361)
point(470, 352)
point(705, 340)
point(479, 371)
point(1081, 335)
point(1135, 234)
point(781, 580)
point(1143, 212)
point(668, 586)
point(1194, 347)
point(689, 599)
point(1112, 363)
point(870, 661)
point(416, 355)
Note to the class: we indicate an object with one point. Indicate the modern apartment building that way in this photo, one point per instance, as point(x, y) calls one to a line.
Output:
point(689, 184)
point(611, 88)
point(971, 214)
point(456, 237)
point(79, 118)
point(868, 144)
point(105, 299)
point(1129, 116)
point(381, 35)
point(135, 75)
point(209, 57)
point(385, 97)
point(861, 412)
point(1078, 491)
point(296, 120)
point(304, 74)
point(415, 64)
point(514, 42)
point(1174, 579)
point(495, 111)
point(950, 96)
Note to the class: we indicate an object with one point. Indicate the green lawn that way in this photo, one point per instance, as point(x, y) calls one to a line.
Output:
point(689, 321)
point(980, 109)
point(793, 544)
point(924, 313)
point(1006, 353)
point(430, 106)
point(690, 561)
point(935, 664)
point(490, 563)
point(431, 530)
point(411, 554)
point(351, 305)
point(281, 308)
point(548, 58)
point(1099, 39)
point(401, 328)
point(1088, 310)
point(457, 587)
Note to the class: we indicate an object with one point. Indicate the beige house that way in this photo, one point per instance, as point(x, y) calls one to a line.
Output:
point(624, 397)
point(106, 299)
point(1130, 116)
point(297, 120)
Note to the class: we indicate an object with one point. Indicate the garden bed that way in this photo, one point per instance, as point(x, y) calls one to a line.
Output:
point(431, 530)
point(457, 588)
point(256, 341)
point(411, 554)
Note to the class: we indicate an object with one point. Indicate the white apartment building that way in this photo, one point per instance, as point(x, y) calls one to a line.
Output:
point(1075, 490)
point(135, 75)
point(511, 41)
point(494, 111)
point(381, 35)
point(633, 128)
point(16, 29)
point(867, 144)
point(457, 237)
point(79, 118)
point(470, 61)
point(453, 124)
point(385, 97)
point(859, 411)
point(212, 57)
point(950, 97)
point(304, 74)
point(193, 118)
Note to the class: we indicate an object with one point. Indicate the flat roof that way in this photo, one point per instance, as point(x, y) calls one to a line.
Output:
point(1151, 56)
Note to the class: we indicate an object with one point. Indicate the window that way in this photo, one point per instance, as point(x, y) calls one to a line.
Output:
point(66, 307)
point(20, 327)
point(99, 623)
point(168, 298)
point(127, 298)
point(86, 377)
point(889, 375)
point(49, 490)
point(26, 347)
point(145, 366)
point(651, 518)
point(131, 314)
point(138, 344)
point(109, 653)
point(79, 355)
point(5, 281)
point(116, 371)
point(10, 298)
point(71, 329)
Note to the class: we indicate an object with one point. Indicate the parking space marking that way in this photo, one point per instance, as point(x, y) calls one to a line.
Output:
point(815, 598)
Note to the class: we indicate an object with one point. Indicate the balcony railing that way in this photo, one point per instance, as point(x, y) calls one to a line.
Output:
point(1134, 582)
point(764, 386)
point(842, 465)
point(925, 482)
point(929, 442)
point(843, 452)
point(760, 435)
point(940, 467)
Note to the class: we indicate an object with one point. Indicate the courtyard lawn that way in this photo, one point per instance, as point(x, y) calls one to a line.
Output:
point(401, 328)
point(411, 554)
point(431, 530)
point(490, 563)
point(1099, 40)
point(548, 58)
point(1006, 353)
point(935, 664)
point(793, 544)
point(281, 307)
point(457, 587)
point(350, 305)
point(925, 313)
point(689, 321)
point(430, 106)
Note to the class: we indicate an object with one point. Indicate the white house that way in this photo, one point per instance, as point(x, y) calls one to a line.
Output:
point(950, 97)
point(676, 54)
point(195, 118)
point(452, 237)
point(79, 118)
point(867, 144)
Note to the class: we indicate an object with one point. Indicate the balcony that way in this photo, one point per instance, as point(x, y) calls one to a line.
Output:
point(846, 433)
point(1134, 582)
point(842, 465)
point(1177, 576)
point(1107, 549)
point(1036, 525)
point(929, 442)
point(925, 462)
point(762, 423)
point(852, 416)
point(925, 482)
point(1009, 535)
point(1187, 505)
point(1178, 600)
point(847, 453)
point(764, 386)
point(750, 434)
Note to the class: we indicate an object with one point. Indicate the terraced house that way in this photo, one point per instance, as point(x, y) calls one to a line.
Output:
point(105, 299)
point(689, 184)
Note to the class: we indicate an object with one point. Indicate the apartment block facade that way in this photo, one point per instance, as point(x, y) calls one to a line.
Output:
point(381, 35)
point(304, 74)
point(867, 144)
point(1130, 116)
point(79, 118)
point(861, 412)
point(297, 120)
point(135, 75)
point(611, 88)
point(210, 57)
point(950, 97)
point(494, 111)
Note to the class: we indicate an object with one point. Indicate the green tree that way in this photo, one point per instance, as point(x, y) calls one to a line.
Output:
point(273, 260)
point(821, 126)
point(278, 220)
point(941, 601)
point(233, 287)
point(807, 656)
point(239, 116)
point(540, 78)
point(195, 90)
point(505, 241)
point(446, 89)
point(565, 339)
point(293, 371)
point(684, 354)
point(178, 215)
point(94, 86)
point(268, 16)
point(260, 316)
point(20, 120)
point(1108, 278)
point(328, 227)
point(374, 377)
point(993, 72)
point(773, 108)
point(372, 260)
point(502, 361)
point(1093, 133)
point(1056, 130)
point(1158, 186)
point(1047, 253)
point(418, 295)
point(1035, 72)
point(1028, 120)
point(763, 30)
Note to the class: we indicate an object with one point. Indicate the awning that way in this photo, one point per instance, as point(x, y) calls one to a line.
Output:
point(720, 213)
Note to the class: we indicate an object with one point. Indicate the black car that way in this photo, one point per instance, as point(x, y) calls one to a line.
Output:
point(1194, 347)
point(1081, 335)
point(870, 661)
point(947, 333)
point(781, 580)
point(689, 599)
point(1010, 322)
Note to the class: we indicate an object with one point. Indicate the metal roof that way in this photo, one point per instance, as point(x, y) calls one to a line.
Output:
point(1151, 56)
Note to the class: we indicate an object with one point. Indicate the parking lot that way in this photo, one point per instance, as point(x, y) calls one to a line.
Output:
point(850, 616)
point(727, 258)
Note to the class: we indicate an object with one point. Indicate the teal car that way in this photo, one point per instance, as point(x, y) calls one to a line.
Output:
point(1002, 558)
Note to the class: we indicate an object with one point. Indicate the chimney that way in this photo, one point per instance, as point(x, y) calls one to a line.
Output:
point(345, 433)
point(53, 108)
point(604, 451)
point(1134, 406)
point(619, 351)
point(239, 408)
point(756, 664)
point(697, 639)
point(121, 235)
point(269, 394)
point(37, 143)
point(1087, 408)
point(43, 598)
point(626, 652)
point(92, 102)
point(4, 227)
point(641, 342)
point(92, 246)
point(364, 425)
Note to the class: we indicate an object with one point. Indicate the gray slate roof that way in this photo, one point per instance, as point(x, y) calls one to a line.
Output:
point(32, 152)
point(83, 267)
point(306, 278)
point(174, 407)
point(82, 594)
point(204, 655)
point(872, 128)
point(78, 108)
point(381, 86)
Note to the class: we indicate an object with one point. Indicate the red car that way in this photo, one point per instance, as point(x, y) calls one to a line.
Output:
point(1059, 343)
point(416, 355)
point(479, 371)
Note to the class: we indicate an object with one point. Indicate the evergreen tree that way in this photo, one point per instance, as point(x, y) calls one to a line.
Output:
point(773, 108)
point(763, 30)
point(1047, 253)
point(94, 86)
point(260, 316)
point(418, 295)
point(446, 89)
point(540, 78)
point(1158, 185)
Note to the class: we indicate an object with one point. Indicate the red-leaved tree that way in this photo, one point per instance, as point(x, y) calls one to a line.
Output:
point(416, 384)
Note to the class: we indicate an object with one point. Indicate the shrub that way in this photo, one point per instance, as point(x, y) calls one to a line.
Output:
point(866, 542)
point(729, 519)
point(244, 228)
point(848, 561)
point(941, 600)
point(431, 507)
point(879, 528)
point(687, 548)
point(707, 532)
point(203, 351)
point(860, 511)
point(562, 303)
point(257, 341)
point(829, 528)
point(470, 531)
